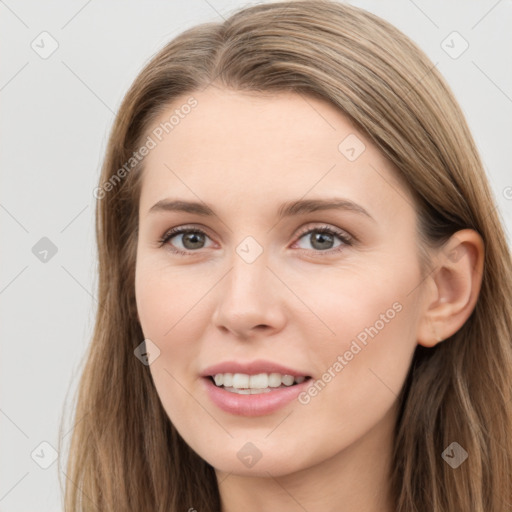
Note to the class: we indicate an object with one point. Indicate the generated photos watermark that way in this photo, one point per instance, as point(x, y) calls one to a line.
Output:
point(152, 141)
point(357, 345)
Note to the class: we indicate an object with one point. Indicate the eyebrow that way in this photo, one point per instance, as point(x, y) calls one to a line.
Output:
point(288, 209)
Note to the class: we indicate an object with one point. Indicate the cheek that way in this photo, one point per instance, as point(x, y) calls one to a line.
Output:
point(171, 313)
point(167, 300)
point(370, 306)
point(365, 365)
point(167, 308)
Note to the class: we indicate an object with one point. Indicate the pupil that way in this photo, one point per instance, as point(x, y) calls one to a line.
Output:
point(321, 237)
point(193, 238)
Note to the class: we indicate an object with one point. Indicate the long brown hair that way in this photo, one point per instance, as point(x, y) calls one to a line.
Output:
point(124, 453)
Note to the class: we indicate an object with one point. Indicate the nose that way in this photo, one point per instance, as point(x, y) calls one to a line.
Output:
point(249, 300)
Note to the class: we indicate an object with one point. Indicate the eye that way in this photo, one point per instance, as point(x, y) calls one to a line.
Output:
point(323, 238)
point(191, 239)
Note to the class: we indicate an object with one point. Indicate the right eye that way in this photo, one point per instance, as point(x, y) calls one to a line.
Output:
point(191, 239)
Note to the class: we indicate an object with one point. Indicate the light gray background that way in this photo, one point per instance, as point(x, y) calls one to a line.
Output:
point(56, 115)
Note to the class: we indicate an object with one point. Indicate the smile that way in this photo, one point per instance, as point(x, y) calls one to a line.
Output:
point(253, 388)
point(245, 384)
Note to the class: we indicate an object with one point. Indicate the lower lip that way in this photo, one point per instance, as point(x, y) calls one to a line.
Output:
point(253, 405)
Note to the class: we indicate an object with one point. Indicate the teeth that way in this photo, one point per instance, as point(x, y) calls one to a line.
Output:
point(252, 384)
point(249, 391)
point(258, 381)
point(274, 380)
point(243, 391)
point(287, 380)
point(240, 381)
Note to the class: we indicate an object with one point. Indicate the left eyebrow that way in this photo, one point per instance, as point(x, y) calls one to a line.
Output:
point(314, 205)
point(288, 209)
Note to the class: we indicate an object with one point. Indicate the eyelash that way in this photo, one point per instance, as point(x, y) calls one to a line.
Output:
point(344, 237)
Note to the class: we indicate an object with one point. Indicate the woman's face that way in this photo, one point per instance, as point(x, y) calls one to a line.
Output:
point(274, 279)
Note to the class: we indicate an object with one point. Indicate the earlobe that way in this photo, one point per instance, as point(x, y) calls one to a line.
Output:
point(436, 336)
point(454, 286)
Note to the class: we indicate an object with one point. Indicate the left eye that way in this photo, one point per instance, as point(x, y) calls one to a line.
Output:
point(322, 238)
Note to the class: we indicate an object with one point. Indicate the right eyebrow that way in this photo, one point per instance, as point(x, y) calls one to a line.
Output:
point(167, 205)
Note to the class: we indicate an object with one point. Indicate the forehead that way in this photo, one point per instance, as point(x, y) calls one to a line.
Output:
point(233, 143)
point(238, 122)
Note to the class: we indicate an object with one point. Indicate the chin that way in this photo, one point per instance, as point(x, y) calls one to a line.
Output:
point(259, 457)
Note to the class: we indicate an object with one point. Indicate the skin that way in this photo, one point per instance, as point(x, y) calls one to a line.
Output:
point(296, 304)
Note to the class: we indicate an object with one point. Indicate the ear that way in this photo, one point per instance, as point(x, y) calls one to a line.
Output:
point(452, 288)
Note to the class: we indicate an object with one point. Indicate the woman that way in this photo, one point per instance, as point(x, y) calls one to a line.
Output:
point(305, 287)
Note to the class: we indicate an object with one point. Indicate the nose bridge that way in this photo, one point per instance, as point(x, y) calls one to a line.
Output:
point(247, 283)
point(248, 296)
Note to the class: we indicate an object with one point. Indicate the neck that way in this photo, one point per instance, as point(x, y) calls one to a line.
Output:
point(354, 479)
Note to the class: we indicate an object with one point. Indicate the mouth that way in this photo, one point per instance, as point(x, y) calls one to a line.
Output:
point(253, 388)
point(246, 384)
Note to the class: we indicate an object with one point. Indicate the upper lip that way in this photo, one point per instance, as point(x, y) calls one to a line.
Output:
point(251, 368)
